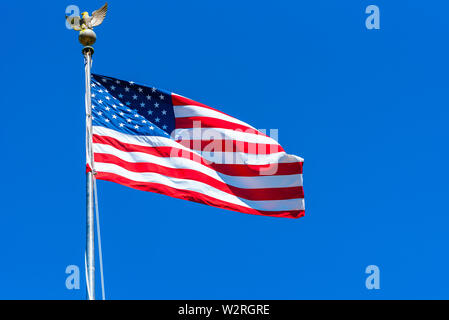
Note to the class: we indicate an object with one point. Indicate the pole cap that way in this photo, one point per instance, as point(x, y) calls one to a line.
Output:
point(88, 49)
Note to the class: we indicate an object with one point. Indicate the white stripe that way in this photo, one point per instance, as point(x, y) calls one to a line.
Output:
point(220, 134)
point(145, 141)
point(258, 182)
point(196, 186)
point(197, 111)
point(245, 158)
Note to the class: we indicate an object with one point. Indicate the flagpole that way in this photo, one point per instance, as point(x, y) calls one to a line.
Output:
point(87, 38)
point(90, 234)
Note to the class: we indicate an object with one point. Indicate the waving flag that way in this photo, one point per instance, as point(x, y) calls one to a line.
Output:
point(157, 141)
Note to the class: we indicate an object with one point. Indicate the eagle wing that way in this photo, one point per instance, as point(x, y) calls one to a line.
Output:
point(98, 15)
point(74, 22)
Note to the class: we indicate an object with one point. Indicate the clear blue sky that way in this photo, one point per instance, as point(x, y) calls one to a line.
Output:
point(366, 109)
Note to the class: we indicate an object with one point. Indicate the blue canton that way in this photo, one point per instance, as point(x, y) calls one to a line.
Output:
point(131, 108)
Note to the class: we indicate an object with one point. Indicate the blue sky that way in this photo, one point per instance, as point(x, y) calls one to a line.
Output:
point(366, 109)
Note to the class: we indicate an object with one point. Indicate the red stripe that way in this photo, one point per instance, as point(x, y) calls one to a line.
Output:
point(207, 122)
point(183, 101)
point(193, 196)
point(190, 174)
point(228, 169)
point(250, 170)
point(231, 146)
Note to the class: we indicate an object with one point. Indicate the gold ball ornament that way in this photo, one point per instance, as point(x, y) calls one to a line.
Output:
point(87, 37)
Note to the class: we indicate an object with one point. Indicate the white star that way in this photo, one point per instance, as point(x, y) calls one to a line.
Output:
point(136, 126)
point(121, 113)
point(164, 127)
point(120, 95)
point(129, 120)
point(92, 84)
point(100, 91)
point(156, 105)
point(157, 119)
point(116, 81)
point(134, 97)
point(112, 87)
point(114, 106)
point(126, 89)
point(128, 103)
point(140, 89)
point(148, 97)
point(103, 79)
point(151, 127)
point(120, 104)
point(100, 101)
point(121, 124)
point(144, 121)
point(164, 112)
point(142, 104)
point(153, 89)
point(131, 83)
point(107, 120)
point(114, 116)
point(93, 95)
point(106, 90)
point(100, 113)
point(136, 115)
point(150, 112)
point(107, 108)
point(107, 98)
point(161, 97)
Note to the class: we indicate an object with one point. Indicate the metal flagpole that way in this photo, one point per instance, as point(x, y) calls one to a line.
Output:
point(90, 233)
point(87, 38)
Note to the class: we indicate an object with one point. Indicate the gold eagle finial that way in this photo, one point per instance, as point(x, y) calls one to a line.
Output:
point(88, 22)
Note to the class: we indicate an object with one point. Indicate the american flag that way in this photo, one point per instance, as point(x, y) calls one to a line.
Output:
point(153, 140)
